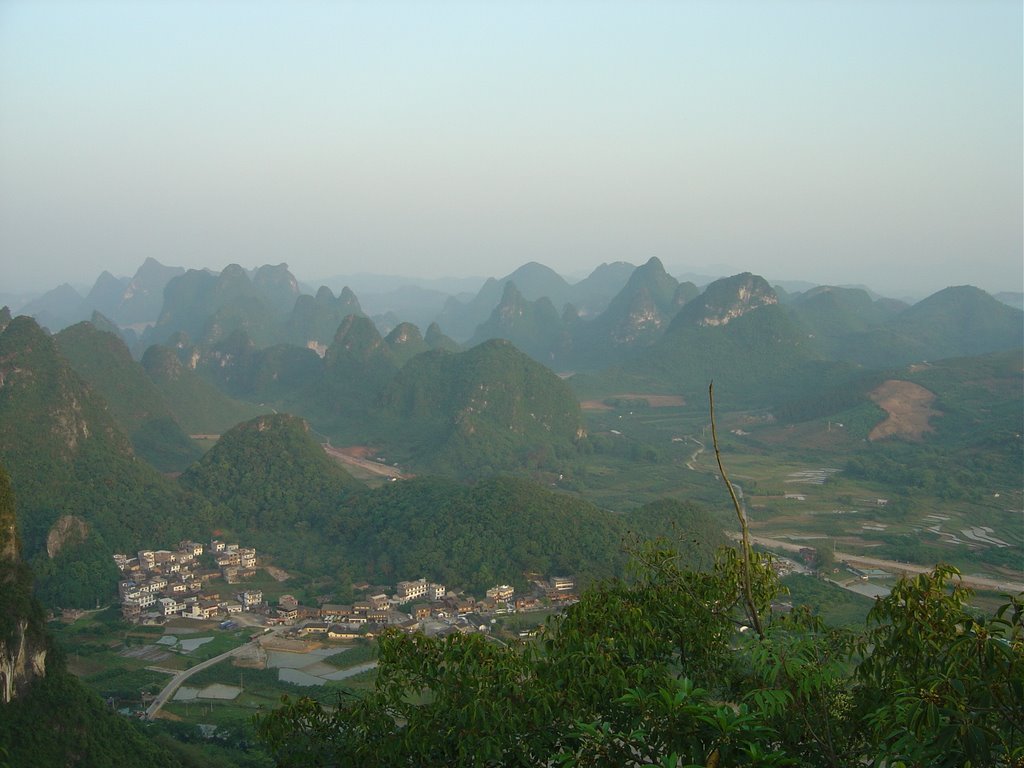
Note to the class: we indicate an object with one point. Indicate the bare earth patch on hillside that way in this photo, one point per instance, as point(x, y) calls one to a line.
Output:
point(355, 456)
point(356, 451)
point(653, 401)
point(909, 409)
point(277, 573)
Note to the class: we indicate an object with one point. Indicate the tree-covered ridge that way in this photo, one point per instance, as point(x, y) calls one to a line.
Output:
point(22, 632)
point(405, 342)
point(316, 318)
point(272, 484)
point(208, 307)
point(637, 315)
point(655, 672)
point(498, 530)
point(268, 474)
point(106, 364)
point(488, 408)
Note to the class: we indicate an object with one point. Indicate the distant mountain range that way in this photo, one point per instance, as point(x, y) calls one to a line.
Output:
point(257, 336)
point(560, 323)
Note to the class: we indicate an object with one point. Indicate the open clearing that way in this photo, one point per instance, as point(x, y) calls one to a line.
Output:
point(354, 456)
point(909, 409)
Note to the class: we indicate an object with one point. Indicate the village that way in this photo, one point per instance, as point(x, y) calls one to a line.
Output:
point(158, 585)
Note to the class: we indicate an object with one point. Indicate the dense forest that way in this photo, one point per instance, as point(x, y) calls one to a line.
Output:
point(677, 668)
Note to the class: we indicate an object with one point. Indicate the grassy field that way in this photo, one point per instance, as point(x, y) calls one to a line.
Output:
point(642, 453)
point(121, 661)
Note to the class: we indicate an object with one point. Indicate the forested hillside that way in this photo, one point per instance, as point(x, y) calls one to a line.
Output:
point(480, 411)
point(71, 464)
point(47, 717)
point(272, 484)
point(105, 364)
point(655, 672)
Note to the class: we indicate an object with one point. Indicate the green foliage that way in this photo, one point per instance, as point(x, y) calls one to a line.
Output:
point(273, 485)
point(80, 576)
point(104, 362)
point(764, 356)
point(533, 326)
point(836, 606)
point(59, 722)
point(17, 605)
point(476, 412)
point(53, 720)
point(654, 672)
point(66, 456)
point(268, 474)
point(939, 686)
point(500, 529)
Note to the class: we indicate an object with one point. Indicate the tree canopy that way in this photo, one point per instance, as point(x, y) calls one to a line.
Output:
point(663, 670)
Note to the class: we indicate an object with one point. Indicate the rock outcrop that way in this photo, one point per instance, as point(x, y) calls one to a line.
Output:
point(22, 633)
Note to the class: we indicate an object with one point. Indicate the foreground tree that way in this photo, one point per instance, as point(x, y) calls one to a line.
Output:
point(660, 671)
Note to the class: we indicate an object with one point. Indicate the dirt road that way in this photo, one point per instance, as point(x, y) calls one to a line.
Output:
point(892, 566)
point(176, 682)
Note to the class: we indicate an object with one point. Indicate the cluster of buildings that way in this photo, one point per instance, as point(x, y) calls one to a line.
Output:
point(165, 583)
point(416, 606)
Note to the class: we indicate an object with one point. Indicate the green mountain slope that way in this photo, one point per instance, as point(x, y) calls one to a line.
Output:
point(497, 530)
point(47, 718)
point(357, 365)
point(535, 327)
point(534, 281)
point(199, 407)
point(405, 342)
point(315, 319)
point(68, 459)
point(592, 294)
point(267, 475)
point(143, 298)
point(104, 362)
point(208, 307)
point(476, 411)
point(961, 321)
point(734, 333)
point(635, 318)
point(836, 316)
point(272, 484)
point(435, 339)
point(953, 322)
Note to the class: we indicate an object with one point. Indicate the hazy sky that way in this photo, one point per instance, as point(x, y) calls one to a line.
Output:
point(837, 142)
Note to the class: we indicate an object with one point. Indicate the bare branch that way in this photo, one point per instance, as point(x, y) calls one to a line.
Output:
point(748, 594)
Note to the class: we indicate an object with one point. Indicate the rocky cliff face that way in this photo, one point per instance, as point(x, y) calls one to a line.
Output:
point(727, 299)
point(22, 660)
point(22, 636)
